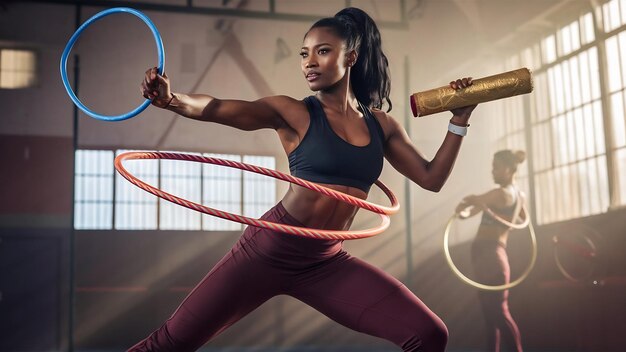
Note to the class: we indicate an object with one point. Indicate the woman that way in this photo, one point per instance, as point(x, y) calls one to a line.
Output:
point(338, 137)
point(491, 264)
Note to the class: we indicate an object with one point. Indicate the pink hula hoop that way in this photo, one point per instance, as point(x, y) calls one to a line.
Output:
point(382, 211)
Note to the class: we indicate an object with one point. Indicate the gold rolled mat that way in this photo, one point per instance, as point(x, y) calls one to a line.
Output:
point(485, 89)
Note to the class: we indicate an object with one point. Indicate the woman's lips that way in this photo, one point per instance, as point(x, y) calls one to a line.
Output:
point(312, 76)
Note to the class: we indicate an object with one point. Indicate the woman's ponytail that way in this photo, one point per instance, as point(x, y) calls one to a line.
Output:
point(370, 78)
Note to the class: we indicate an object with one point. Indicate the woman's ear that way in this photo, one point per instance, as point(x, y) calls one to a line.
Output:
point(351, 58)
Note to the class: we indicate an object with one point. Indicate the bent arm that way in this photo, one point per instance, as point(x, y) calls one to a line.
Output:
point(405, 158)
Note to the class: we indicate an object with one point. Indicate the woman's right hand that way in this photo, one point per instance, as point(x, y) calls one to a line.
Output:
point(462, 210)
point(156, 88)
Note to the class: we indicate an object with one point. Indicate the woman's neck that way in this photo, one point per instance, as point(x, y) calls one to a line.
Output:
point(340, 97)
point(506, 184)
point(338, 102)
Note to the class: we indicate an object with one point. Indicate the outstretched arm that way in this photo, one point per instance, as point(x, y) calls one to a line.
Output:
point(464, 210)
point(496, 198)
point(405, 158)
point(244, 115)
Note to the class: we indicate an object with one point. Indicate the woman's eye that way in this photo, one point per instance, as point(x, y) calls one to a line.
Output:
point(323, 51)
point(304, 54)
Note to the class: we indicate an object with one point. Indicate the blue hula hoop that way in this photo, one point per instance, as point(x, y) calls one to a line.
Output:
point(70, 44)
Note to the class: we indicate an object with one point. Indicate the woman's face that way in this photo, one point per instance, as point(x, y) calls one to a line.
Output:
point(500, 172)
point(324, 61)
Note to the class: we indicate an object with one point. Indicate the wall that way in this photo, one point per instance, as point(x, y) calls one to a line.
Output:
point(129, 282)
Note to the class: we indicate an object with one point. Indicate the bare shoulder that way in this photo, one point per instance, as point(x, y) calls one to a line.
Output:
point(522, 196)
point(291, 110)
point(509, 195)
point(389, 124)
point(280, 103)
point(495, 197)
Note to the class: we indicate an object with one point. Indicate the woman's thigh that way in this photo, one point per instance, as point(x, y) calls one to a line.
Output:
point(366, 299)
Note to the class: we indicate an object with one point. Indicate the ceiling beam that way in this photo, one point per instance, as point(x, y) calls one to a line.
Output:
point(189, 8)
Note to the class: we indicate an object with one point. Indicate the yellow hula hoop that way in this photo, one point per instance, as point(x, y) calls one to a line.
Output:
point(478, 285)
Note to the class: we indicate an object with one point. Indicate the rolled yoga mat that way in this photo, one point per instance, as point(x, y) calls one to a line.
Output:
point(485, 89)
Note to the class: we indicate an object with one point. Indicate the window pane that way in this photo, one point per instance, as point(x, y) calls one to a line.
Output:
point(587, 31)
point(221, 189)
point(583, 171)
point(548, 46)
point(557, 83)
point(541, 99)
point(17, 68)
point(621, 170)
point(594, 73)
point(575, 35)
point(585, 80)
point(93, 184)
point(575, 81)
point(602, 190)
point(613, 64)
point(612, 15)
point(567, 84)
point(565, 41)
point(259, 192)
point(530, 58)
point(622, 56)
point(181, 179)
point(598, 128)
point(588, 127)
point(617, 114)
point(581, 143)
point(136, 209)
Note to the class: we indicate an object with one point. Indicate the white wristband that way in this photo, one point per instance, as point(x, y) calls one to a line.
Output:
point(458, 130)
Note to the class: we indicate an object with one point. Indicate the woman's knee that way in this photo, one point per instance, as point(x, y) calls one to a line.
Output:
point(438, 338)
point(428, 339)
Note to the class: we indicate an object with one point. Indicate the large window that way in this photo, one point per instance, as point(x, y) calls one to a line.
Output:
point(615, 45)
point(570, 166)
point(106, 200)
point(566, 122)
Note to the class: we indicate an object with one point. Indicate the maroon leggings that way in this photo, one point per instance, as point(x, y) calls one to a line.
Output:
point(263, 264)
point(491, 265)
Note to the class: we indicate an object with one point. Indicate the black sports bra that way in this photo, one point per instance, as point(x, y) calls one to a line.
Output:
point(324, 157)
point(506, 212)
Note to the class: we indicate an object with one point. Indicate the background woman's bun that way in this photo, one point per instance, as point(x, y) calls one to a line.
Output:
point(520, 156)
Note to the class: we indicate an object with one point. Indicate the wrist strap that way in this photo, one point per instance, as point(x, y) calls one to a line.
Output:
point(169, 103)
point(458, 130)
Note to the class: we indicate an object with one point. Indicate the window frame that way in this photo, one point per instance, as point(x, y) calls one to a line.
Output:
point(608, 173)
point(35, 68)
point(201, 178)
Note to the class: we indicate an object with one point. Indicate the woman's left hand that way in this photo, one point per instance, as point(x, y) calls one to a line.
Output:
point(462, 114)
